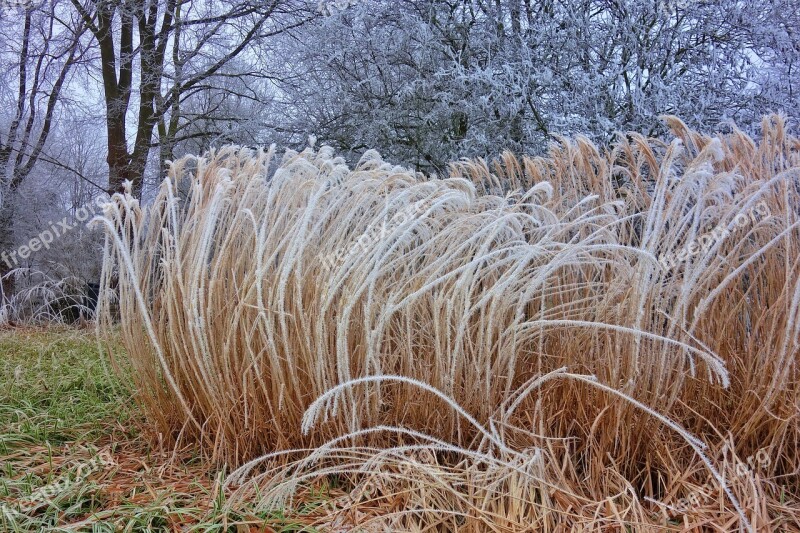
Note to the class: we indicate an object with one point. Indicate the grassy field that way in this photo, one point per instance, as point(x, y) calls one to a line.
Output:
point(74, 456)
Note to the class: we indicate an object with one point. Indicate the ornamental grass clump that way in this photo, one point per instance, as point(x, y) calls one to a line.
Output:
point(581, 338)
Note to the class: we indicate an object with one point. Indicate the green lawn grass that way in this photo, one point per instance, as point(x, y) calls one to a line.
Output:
point(56, 388)
point(72, 457)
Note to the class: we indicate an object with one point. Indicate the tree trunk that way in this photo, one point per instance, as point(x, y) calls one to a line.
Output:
point(8, 255)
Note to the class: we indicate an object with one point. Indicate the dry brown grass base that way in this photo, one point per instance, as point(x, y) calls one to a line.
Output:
point(247, 292)
point(135, 487)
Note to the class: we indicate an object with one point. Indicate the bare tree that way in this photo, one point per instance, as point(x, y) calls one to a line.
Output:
point(41, 51)
point(170, 50)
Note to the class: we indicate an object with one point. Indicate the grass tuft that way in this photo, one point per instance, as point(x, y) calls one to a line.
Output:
point(412, 322)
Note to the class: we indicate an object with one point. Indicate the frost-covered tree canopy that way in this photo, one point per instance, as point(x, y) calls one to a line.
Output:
point(428, 81)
